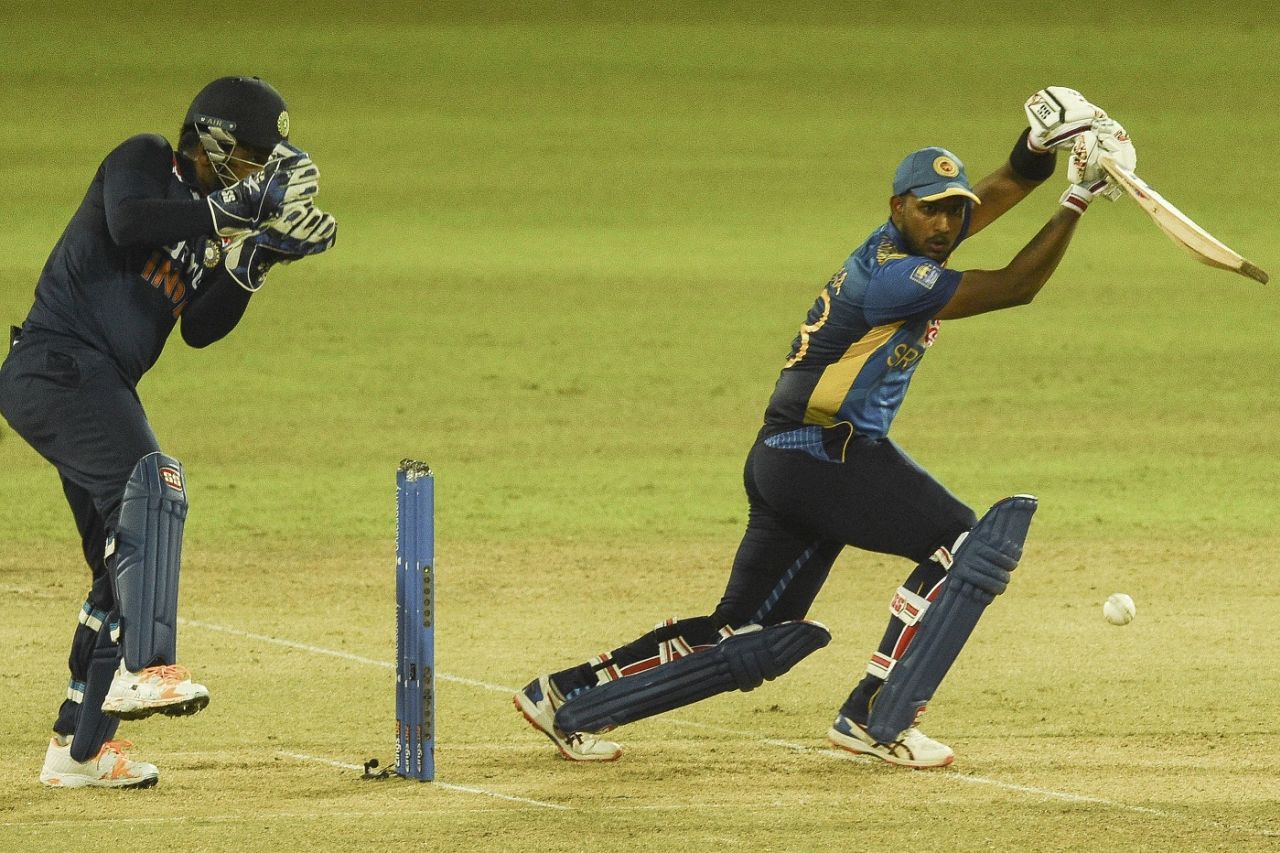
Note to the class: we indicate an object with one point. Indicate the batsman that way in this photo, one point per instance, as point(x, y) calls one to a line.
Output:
point(162, 236)
point(824, 473)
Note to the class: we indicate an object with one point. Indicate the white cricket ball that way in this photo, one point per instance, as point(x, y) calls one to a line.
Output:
point(1119, 609)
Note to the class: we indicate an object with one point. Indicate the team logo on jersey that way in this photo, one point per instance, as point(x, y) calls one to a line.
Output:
point(171, 477)
point(212, 254)
point(282, 123)
point(946, 167)
point(926, 275)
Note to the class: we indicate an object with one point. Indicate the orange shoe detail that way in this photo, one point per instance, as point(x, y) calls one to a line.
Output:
point(120, 769)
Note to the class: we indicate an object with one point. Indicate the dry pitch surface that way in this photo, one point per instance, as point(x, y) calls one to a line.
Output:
point(1071, 734)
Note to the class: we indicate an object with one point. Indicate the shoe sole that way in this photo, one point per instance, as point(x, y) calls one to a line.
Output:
point(80, 782)
point(848, 743)
point(564, 753)
point(175, 709)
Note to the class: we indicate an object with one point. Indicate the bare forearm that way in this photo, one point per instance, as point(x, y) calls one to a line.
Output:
point(1018, 283)
point(1031, 268)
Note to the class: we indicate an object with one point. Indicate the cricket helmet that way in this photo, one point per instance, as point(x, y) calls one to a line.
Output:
point(237, 111)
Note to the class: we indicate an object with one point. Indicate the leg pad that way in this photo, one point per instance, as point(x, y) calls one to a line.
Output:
point(743, 661)
point(147, 553)
point(981, 571)
point(94, 728)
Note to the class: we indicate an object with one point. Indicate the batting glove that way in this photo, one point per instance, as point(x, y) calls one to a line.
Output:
point(1056, 115)
point(1078, 196)
point(1106, 137)
point(242, 207)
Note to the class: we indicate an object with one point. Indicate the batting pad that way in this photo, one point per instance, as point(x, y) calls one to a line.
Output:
point(981, 571)
point(743, 661)
point(148, 550)
point(94, 728)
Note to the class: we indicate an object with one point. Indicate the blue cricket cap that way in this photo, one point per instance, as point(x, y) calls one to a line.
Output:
point(933, 173)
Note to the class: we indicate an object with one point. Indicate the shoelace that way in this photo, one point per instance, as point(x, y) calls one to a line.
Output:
point(116, 746)
point(167, 672)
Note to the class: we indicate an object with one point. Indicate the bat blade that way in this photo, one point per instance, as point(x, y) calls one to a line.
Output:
point(1179, 227)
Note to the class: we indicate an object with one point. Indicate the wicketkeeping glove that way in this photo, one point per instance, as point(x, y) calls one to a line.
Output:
point(1056, 115)
point(300, 230)
point(1106, 137)
point(244, 206)
point(248, 259)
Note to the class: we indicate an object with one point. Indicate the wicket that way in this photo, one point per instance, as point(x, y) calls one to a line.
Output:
point(415, 621)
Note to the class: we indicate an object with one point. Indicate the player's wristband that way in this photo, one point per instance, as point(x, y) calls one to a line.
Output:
point(1029, 165)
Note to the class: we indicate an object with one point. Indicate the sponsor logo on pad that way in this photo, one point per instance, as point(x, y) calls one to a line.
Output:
point(171, 477)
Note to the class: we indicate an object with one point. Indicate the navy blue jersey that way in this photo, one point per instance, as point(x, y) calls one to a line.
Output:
point(136, 255)
point(863, 338)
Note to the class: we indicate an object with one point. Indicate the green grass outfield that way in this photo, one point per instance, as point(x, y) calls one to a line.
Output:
point(575, 244)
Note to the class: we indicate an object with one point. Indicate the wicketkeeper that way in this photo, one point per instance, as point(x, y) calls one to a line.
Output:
point(162, 236)
point(824, 474)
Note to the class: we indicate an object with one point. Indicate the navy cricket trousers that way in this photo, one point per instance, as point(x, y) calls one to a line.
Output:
point(806, 505)
point(70, 403)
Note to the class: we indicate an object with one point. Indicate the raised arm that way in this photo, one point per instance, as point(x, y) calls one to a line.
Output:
point(981, 291)
point(1056, 116)
point(1018, 283)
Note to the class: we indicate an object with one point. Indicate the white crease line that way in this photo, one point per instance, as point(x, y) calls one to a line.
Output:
point(463, 788)
point(795, 747)
point(263, 638)
point(1057, 795)
point(1011, 786)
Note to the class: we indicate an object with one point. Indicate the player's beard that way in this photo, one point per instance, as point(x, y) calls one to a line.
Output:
point(936, 247)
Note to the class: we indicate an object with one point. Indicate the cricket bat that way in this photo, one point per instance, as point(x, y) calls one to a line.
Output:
point(1198, 243)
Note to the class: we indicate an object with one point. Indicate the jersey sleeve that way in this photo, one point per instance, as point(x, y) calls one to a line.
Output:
point(905, 288)
point(135, 188)
point(215, 310)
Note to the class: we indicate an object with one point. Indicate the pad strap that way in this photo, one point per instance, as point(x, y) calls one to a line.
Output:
point(880, 665)
point(671, 646)
point(674, 647)
point(907, 606)
point(945, 556)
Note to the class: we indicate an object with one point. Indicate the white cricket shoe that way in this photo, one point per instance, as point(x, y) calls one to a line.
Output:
point(913, 748)
point(538, 703)
point(110, 768)
point(155, 690)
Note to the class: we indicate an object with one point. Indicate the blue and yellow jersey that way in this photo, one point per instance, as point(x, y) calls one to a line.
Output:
point(863, 339)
